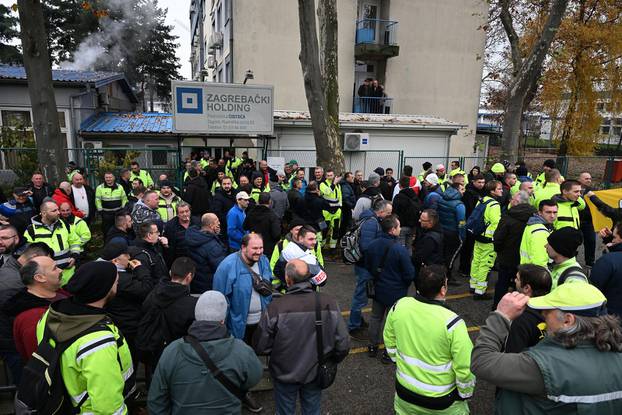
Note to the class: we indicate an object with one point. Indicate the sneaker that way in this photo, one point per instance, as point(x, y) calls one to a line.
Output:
point(359, 334)
point(372, 351)
point(385, 359)
point(481, 297)
point(251, 405)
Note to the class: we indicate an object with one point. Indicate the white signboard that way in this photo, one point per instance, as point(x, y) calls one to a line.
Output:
point(233, 109)
point(276, 163)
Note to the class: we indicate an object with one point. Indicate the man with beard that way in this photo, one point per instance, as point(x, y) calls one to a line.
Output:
point(105, 374)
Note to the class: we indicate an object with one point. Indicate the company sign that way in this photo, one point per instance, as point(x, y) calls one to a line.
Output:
point(211, 108)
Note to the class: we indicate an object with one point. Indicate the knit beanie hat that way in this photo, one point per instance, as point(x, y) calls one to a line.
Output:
point(432, 178)
point(92, 281)
point(566, 241)
point(211, 306)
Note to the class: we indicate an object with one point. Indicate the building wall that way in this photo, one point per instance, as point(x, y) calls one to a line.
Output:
point(438, 71)
point(267, 41)
point(384, 150)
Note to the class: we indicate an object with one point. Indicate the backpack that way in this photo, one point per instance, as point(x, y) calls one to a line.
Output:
point(476, 224)
point(350, 244)
point(373, 199)
point(42, 390)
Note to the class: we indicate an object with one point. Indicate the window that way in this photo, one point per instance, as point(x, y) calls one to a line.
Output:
point(16, 119)
point(159, 157)
point(600, 106)
point(61, 119)
point(604, 129)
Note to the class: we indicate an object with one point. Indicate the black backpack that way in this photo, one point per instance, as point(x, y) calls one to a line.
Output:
point(153, 331)
point(41, 390)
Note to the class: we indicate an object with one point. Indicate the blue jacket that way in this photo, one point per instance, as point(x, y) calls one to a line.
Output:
point(452, 213)
point(370, 229)
point(207, 251)
point(347, 195)
point(235, 230)
point(234, 280)
point(605, 276)
point(431, 199)
point(398, 271)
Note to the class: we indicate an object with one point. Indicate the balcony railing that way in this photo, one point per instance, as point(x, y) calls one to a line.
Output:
point(372, 105)
point(376, 31)
point(376, 39)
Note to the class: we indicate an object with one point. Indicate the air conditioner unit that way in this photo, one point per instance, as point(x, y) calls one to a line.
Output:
point(92, 144)
point(215, 41)
point(355, 142)
point(211, 62)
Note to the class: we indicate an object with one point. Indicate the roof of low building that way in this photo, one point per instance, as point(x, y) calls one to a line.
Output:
point(348, 119)
point(70, 76)
point(129, 122)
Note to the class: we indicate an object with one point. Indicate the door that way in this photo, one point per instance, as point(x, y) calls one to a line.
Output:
point(367, 30)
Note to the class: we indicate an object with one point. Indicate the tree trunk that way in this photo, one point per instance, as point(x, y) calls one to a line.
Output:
point(49, 140)
point(526, 72)
point(321, 86)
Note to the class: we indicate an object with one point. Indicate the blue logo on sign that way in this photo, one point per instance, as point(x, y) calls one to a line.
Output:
point(189, 100)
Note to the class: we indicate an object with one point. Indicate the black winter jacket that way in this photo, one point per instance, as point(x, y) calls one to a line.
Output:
point(176, 235)
point(470, 198)
point(177, 304)
point(314, 207)
point(262, 220)
point(407, 207)
point(125, 307)
point(151, 256)
point(509, 233)
point(221, 204)
point(207, 251)
point(428, 247)
point(197, 193)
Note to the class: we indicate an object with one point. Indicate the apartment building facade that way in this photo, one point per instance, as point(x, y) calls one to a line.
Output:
point(427, 55)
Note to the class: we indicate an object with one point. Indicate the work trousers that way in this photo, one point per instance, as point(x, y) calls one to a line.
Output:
point(450, 249)
point(484, 256)
point(589, 242)
point(107, 222)
point(333, 221)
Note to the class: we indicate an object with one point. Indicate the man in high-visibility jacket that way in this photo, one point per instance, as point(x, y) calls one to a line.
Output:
point(143, 175)
point(331, 192)
point(167, 201)
point(562, 248)
point(433, 373)
point(50, 229)
point(455, 169)
point(547, 166)
point(538, 229)
point(231, 164)
point(97, 367)
point(549, 188)
point(569, 203)
point(110, 198)
point(484, 254)
point(79, 226)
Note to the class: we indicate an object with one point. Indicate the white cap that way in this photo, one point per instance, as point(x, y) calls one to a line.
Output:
point(432, 178)
point(242, 195)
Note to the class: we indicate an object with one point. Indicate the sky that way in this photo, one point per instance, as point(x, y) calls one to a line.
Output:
point(178, 17)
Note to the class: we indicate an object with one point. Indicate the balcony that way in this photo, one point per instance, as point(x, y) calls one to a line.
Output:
point(376, 39)
point(372, 105)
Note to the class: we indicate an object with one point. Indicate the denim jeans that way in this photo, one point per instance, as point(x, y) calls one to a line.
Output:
point(359, 298)
point(406, 238)
point(378, 312)
point(286, 394)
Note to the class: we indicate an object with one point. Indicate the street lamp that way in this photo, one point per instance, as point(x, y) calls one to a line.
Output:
point(248, 75)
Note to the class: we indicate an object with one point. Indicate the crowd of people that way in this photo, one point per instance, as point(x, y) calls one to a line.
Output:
point(196, 282)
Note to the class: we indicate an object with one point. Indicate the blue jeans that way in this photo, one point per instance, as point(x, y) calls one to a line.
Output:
point(359, 298)
point(286, 394)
